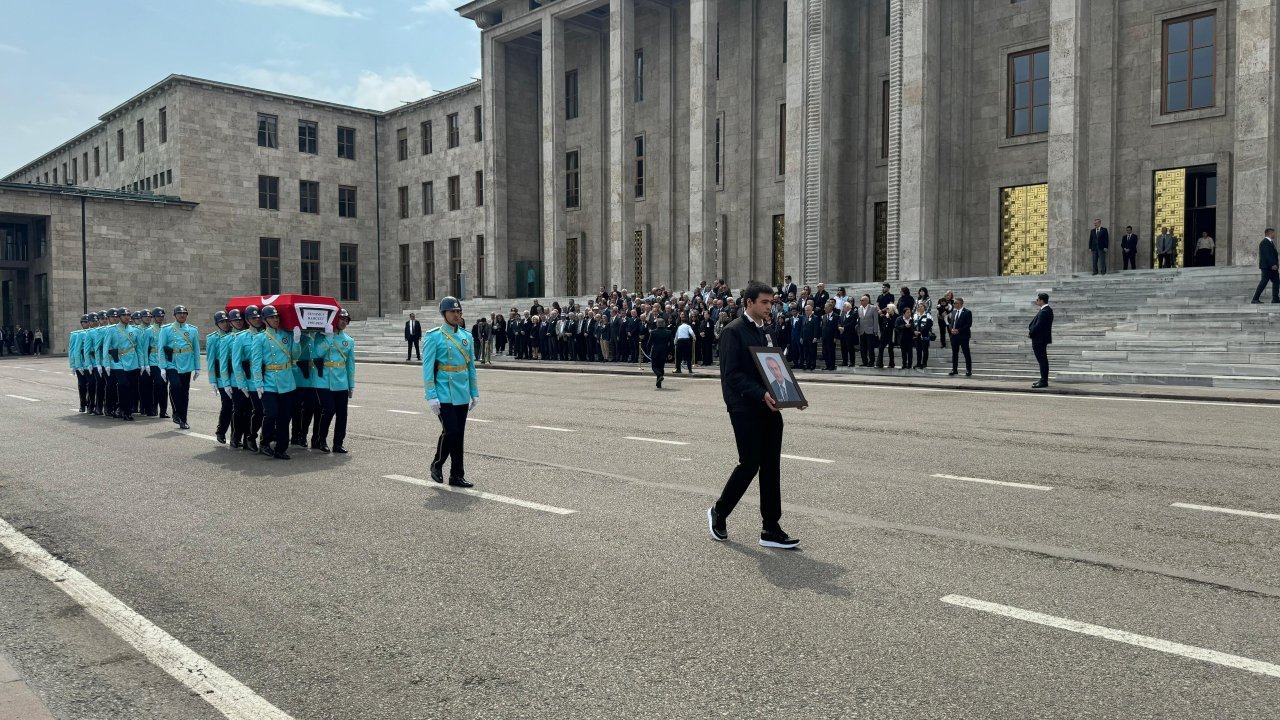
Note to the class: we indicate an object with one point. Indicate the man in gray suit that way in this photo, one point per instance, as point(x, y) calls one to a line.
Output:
point(868, 330)
point(1166, 246)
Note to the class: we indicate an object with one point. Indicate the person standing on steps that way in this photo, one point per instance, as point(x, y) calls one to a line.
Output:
point(1099, 241)
point(961, 329)
point(449, 377)
point(1041, 333)
point(1268, 264)
point(1129, 249)
point(412, 336)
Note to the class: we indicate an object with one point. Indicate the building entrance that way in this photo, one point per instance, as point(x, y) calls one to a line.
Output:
point(1185, 200)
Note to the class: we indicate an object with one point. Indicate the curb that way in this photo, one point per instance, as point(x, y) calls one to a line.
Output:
point(17, 700)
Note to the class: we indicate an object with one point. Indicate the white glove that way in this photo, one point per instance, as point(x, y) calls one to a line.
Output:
point(297, 334)
point(102, 369)
point(214, 388)
point(474, 402)
point(227, 392)
point(243, 392)
point(259, 393)
point(162, 373)
point(146, 370)
point(108, 370)
point(434, 403)
point(195, 375)
point(328, 331)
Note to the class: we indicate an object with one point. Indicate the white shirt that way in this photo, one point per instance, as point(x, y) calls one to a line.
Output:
point(684, 332)
point(1204, 243)
point(840, 302)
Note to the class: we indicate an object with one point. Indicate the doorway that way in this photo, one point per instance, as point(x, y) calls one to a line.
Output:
point(779, 247)
point(1185, 200)
point(1202, 213)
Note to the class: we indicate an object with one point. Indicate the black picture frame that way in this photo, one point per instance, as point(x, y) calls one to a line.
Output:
point(763, 355)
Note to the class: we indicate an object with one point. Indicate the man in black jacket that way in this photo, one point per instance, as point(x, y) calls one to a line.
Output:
point(413, 336)
point(961, 323)
point(1129, 249)
point(1041, 333)
point(757, 423)
point(659, 346)
point(830, 331)
point(1268, 264)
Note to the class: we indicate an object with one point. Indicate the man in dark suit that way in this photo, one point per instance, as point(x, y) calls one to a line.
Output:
point(1267, 263)
point(809, 334)
point(820, 298)
point(1099, 241)
point(961, 324)
point(830, 326)
point(868, 330)
point(659, 345)
point(787, 288)
point(1129, 248)
point(757, 424)
point(1041, 334)
point(849, 334)
point(413, 336)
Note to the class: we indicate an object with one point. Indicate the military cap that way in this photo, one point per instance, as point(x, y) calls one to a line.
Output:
point(252, 313)
point(144, 313)
point(179, 309)
point(269, 311)
point(219, 317)
point(157, 312)
point(235, 315)
point(113, 313)
point(85, 318)
point(449, 303)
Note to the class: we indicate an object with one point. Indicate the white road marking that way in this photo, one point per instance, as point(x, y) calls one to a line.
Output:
point(478, 420)
point(483, 495)
point(655, 440)
point(405, 412)
point(22, 397)
point(195, 434)
point(228, 695)
point(1173, 648)
point(801, 457)
point(555, 429)
point(1024, 486)
point(353, 406)
point(1229, 511)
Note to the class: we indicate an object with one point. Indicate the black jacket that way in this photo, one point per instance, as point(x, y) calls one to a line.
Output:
point(964, 324)
point(1041, 328)
point(1266, 254)
point(740, 382)
point(660, 344)
point(412, 330)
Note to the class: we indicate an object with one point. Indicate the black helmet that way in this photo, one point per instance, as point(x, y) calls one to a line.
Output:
point(135, 315)
point(93, 317)
point(144, 313)
point(123, 312)
point(157, 312)
point(235, 316)
point(85, 318)
point(252, 313)
point(219, 317)
point(113, 313)
point(344, 315)
point(179, 309)
point(269, 311)
point(449, 303)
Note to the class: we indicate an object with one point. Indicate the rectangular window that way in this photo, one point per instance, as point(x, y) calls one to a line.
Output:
point(84, 164)
point(639, 167)
point(404, 273)
point(1028, 91)
point(142, 137)
point(267, 126)
point(97, 165)
point(782, 138)
point(309, 196)
point(425, 130)
point(55, 174)
point(479, 287)
point(1188, 67)
point(786, 31)
point(454, 130)
point(479, 188)
point(164, 125)
point(75, 171)
point(346, 201)
point(402, 144)
point(310, 267)
point(571, 95)
point(269, 266)
point(884, 119)
point(268, 192)
point(428, 198)
point(307, 137)
point(120, 144)
point(347, 143)
point(348, 272)
point(717, 52)
point(477, 116)
point(639, 76)
point(717, 150)
point(572, 187)
point(455, 192)
point(402, 200)
point(455, 266)
point(429, 269)
point(168, 177)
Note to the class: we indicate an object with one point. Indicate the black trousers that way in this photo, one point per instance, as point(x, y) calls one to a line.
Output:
point(1204, 258)
point(112, 396)
point(846, 348)
point(922, 352)
point(82, 384)
point(159, 392)
point(758, 435)
point(684, 354)
point(100, 382)
point(867, 346)
point(277, 410)
point(450, 446)
point(225, 412)
point(1166, 261)
point(179, 393)
point(1099, 261)
point(306, 413)
point(885, 345)
point(958, 346)
point(241, 410)
point(1130, 260)
point(1041, 351)
point(126, 386)
point(1269, 276)
point(413, 349)
point(908, 352)
point(659, 367)
point(146, 393)
point(333, 404)
point(829, 353)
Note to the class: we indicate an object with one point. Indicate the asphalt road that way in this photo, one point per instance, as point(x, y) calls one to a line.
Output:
point(334, 592)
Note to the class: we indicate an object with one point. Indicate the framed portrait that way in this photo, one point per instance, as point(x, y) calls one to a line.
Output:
point(777, 377)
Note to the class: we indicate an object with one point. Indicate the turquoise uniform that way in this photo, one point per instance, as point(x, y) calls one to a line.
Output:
point(101, 344)
point(216, 346)
point(152, 332)
point(123, 340)
point(226, 378)
point(449, 366)
point(274, 354)
point(89, 348)
point(74, 358)
point(184, 342)
point(338, 354)
point(146, 340)
point(242, 360)
point(308, 378)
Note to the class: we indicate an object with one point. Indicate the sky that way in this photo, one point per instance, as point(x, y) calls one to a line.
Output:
point(65, 62)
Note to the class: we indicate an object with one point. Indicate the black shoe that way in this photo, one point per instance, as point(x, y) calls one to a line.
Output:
point(460, 482)
point(1255, 302)
point(716, 524)
point(251, 445)
point(265, 449)
point(968, 374)
point(164, 415)
point(235, 444)
point(183, 425)
point(339, 449)
point(322, 447)
point(953, 372)
point(222, 438)
point(281, 456)
point(1038, 385)
point(437, 474)
point(128, 418)
point(778, 539)
point(81, 408)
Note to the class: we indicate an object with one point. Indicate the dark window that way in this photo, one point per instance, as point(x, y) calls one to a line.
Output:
point(402, 144)
point(455, 192)
point(268, 192)
point(347, 143)
point(269, 266)
point(402, 200)
point(55, 173)
point(267, 126)
point(307, 134)
point(479, 287)
point(572, 186)
point(1188, 63)
point(308, 196)
point(346, 201)
point(97, 165)
point(454, 130)
point(888, 16)
point(429, 269)
point(75, 171)
point(639, 76)
point(310, 267)
point(164, 125)
point(455, 265)
point(782, 138)
point(120, 144)
point(884, 119)
point(717, 52)
point(786, 31)
point(1028, 92)
point(477, 116)
point(428, 198)
point(718, 144)
point(639, 166)
point(404, 273)
point(168, 176)
point(348, 272)
point(426, 138)
point(479, 188)
point(571, 95)
point(142, 137)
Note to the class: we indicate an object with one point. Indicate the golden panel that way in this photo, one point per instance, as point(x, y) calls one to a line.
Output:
point(571, 266)
point(1170, 210)
point(882, 242)
point(638, 276)
point(1024, 230)
point(779, 247)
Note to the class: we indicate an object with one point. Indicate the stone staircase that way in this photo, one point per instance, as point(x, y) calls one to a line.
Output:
point(1191, 326)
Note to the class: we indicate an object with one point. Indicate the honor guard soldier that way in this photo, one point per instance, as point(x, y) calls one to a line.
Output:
point(87, 359)
point(147, 347)
point(306, 406)
point(449, 374)
point(242, 360)
point(109, 397)
point(159, 388)
point(274, 356)
point(216, 346)
point(334, 359)
point(180, 344)
point(123, 360)
point(75, 359)
point(92, 348)
point(236, 381)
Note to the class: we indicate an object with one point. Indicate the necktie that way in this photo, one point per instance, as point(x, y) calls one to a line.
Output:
point(782, 392)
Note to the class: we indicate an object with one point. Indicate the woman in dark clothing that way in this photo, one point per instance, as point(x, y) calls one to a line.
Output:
point(887, 318)
point(904, 333)
point(499, 333)
point(944, 316)
point(706, 338)
point(923, 324)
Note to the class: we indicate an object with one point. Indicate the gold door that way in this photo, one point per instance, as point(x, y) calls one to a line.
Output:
point(882, 242)
point(638, 276)
point(571, 266)
point(1170, 210)
point(779, 247)
point(1024, 230)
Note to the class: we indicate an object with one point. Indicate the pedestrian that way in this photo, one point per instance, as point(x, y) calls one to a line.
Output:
point(830, 327)
point(110, 384)
point(869, 329)
point(1099, 241)
point(888, 316)
point(274, 356)
point(1129, 248)
point(412, 336)
point(306, 395)
point(961, 329)
point(499, 333)
point(237, 381)
point(684, 346)
point(923, 324)
point(904, 335)
point(75, 359)
point(334, 358)
point(756, 421)
point(1041, 333)
point(944, 307)
point(123, 360)
point(1166, 246)
point(449, 377)
point(483, 333)
point(38, 343)
point(1267, 263)
point(159, 388)
point(1204, 250)
point(659, 344)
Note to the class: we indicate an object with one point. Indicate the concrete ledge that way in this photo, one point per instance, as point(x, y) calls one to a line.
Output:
point(17, 700)
point(1172, 380)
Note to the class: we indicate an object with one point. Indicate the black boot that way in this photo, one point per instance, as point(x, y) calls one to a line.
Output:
point(222, 438)
point(251, 445)
point(319, 445)
point(437, 474)
point(460, 482)
point(340, 449)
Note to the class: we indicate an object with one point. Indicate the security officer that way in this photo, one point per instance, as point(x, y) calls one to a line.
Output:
point(274, 355)
point(74, 358)
point(449, 375)
point(147, 347)
point(180, 344)
point(242, 360)
point(124, 362)
point(334, 359)
point(216, 345)
point(159, 388)
point(110, 391)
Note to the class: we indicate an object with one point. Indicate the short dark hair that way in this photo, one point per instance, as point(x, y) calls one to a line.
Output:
point(755, 289)
point(1269, 230)
point(1128, 227)
point(1043, 296)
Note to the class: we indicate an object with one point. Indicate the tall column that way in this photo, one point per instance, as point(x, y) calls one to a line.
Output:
point(553, 261)
point(1253, 190)
point(704, 251)
point(621, 211)
point(913, 159)
point(793, 135)
point(1068, 149)
point(493, 93)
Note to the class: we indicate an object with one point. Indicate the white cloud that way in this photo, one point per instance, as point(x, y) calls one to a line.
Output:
point(370, 90)
point(430, 6)
point(328, 8)
point(12, 49)
point(383, 92)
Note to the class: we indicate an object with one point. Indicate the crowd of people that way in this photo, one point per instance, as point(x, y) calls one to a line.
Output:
point(17, 341)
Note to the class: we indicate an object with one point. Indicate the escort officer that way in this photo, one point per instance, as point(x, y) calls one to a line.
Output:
point(89, 349)
point(135, 382)
point(159, 388)
point(216, 345)
point(123, 359)
point(109, 396)
point(334, 359)
point(236, 381)
point(274, 356)
point(75, 359)
point(306, 405)
point(449, 375)
point(180, 344)
point(242, 360)
point(147, 347)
